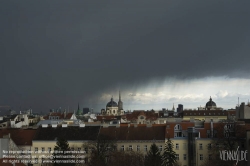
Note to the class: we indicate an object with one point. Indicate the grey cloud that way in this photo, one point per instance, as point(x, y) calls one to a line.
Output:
point(59, 52)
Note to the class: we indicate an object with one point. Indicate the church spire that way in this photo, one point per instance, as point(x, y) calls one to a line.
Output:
point(120, 104)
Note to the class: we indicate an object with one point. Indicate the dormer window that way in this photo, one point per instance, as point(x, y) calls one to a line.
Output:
point(177, 127)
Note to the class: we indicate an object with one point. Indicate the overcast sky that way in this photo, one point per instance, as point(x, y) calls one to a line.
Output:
point(58, 53)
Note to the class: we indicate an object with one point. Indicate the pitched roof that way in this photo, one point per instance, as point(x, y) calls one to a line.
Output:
point(19, 136)
point(141, 132)
point(69, 133)
point(170, 127)
point(150, 115)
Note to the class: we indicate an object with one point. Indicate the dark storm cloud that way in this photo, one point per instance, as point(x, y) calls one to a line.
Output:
point(59, 52)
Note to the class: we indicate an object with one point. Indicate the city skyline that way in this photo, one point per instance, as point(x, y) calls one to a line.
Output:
point(58, 53)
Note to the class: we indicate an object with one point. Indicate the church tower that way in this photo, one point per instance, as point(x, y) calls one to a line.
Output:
point(120, 104)
point(78, 110)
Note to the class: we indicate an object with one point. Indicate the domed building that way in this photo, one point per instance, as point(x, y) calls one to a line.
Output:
point(210, 105)
point(112, 108)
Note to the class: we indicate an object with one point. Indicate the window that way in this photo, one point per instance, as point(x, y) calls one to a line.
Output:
point(215, 133)
point(145, 148)
point(209, 146)
point(201, 156)
point(226, 134)
point(49, 149)
point(177, 157)
point(184, 156)
point(92, 150)
point(160, 148)
point(42, 149)
point(209, 157)
point(168, 126)
point(36, 149)
point(122, 148)
point(177, 146)
point(200, 146)
point(86, 150)
point(138, 148)
point(208, 134)
point(204, 113)
point(72, 149)
point(36, 160)
point(78, 149)
point(130, 148)
point(86, 160)
point(177, 127)
point(113, 111)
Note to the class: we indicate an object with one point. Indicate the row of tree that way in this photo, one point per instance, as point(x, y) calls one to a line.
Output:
point(104, 153)
point(105, 157)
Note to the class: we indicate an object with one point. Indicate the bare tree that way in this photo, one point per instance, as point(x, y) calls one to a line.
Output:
point(127, 158)
point(101, 150)
point(228, 136)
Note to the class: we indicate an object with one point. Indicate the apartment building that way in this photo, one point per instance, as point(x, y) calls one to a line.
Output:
point(136, 137)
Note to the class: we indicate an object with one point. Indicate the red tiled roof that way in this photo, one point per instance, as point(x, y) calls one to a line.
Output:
point(69, 115)
point(141, 132)
point(170, 127)
point(19, 136)
point(150, 115)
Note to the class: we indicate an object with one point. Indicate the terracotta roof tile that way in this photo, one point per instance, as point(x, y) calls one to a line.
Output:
point(135, 133)
point(19, 136)
point(69, 133)
point(150, 115)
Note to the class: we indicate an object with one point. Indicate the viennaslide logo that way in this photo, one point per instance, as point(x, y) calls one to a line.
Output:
point(237, 155)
